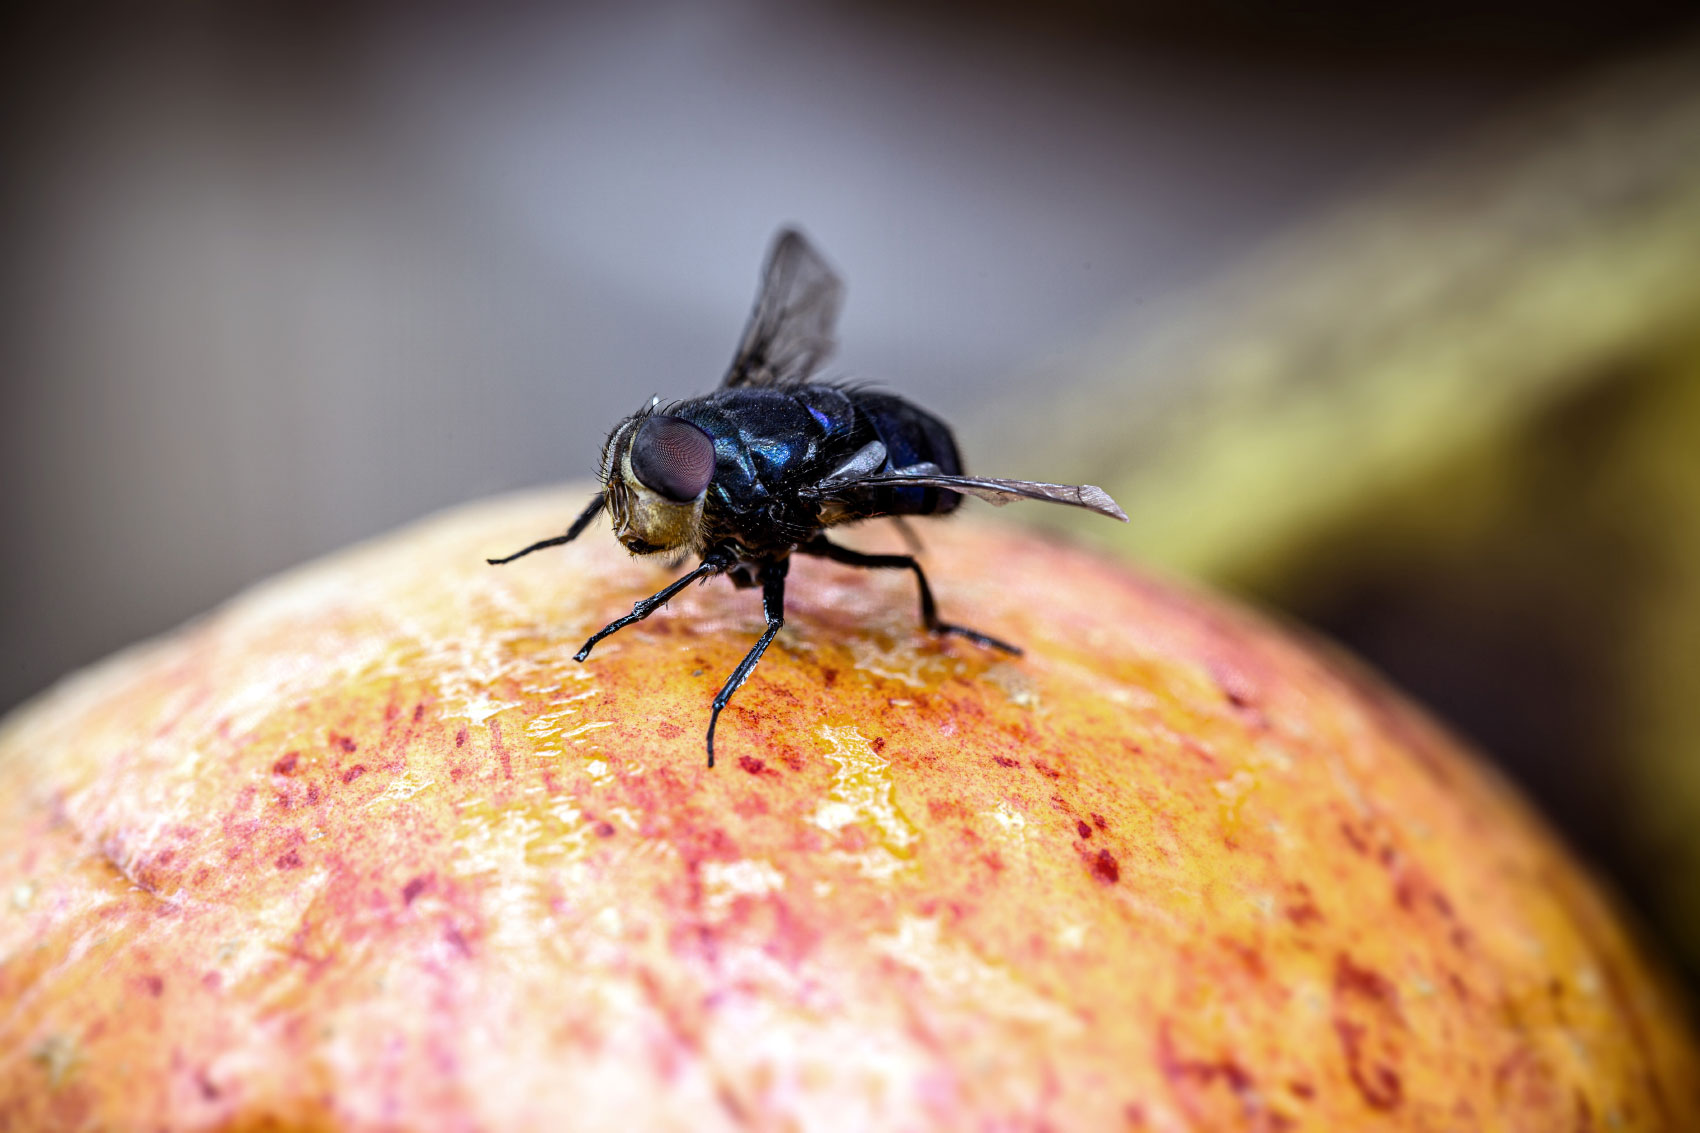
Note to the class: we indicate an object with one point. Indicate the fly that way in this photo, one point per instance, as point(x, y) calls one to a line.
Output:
point(761, 468)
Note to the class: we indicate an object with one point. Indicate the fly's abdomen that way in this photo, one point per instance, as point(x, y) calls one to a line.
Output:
point(911, 436)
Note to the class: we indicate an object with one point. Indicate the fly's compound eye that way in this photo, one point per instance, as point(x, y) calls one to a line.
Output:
point(673, 458)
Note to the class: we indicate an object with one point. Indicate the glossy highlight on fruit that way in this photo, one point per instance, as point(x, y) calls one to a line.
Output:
point(367, 849)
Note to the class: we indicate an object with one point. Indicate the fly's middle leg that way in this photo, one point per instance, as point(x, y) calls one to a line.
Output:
point(773, 606)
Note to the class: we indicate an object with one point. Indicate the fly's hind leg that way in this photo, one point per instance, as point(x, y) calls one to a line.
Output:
point(773, 606)
point(929, 609)
point(910, 539)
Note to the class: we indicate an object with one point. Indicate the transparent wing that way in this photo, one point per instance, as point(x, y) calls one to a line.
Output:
point(999, 492)
point(791, 331)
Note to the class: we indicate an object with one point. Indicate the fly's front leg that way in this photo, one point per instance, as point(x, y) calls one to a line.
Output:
point(573, 532)
point(929, 609)
point(773, 606)
point(647, 606)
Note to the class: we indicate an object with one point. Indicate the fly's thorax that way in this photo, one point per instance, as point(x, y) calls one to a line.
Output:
point(649, 463)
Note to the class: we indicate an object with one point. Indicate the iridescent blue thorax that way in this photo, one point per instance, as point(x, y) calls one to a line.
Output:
point(769, 442)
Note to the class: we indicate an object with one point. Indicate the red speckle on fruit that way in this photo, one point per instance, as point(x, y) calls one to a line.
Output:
point(1355, 838)
point(1196, 747)
point(1104, 867)
point(1378, 1083)
point(1301, 907)
point(1367, 1021)
point(1349, 979)
point(1193, 1077)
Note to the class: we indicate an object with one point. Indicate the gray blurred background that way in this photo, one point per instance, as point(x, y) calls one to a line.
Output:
point(1388, 316)
point(279, 277)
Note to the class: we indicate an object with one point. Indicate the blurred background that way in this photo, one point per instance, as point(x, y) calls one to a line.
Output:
point(1386, 318)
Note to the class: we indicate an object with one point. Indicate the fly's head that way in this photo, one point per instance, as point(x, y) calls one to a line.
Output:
point(656, 470)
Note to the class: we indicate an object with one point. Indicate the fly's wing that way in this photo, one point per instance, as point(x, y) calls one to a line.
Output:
point(791, 330)
point(847, 482)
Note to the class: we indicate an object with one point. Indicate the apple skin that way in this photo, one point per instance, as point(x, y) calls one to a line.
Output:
point(367, 849)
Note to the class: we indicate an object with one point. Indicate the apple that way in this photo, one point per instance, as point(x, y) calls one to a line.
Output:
point(367, 849)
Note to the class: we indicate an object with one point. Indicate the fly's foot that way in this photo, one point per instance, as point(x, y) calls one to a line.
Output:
point(944, 628)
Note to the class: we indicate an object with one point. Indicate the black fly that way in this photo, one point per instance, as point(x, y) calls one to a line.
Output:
point(760, 468)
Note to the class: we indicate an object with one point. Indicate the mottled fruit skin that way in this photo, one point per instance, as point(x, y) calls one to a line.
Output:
point(367, 850)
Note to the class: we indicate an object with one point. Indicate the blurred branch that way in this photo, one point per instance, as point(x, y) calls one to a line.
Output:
point(1363, 353)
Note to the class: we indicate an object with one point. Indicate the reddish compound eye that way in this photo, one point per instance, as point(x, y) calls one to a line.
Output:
point(673, 458)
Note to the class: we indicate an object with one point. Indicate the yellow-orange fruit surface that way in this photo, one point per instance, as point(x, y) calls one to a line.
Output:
point(369, 850)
